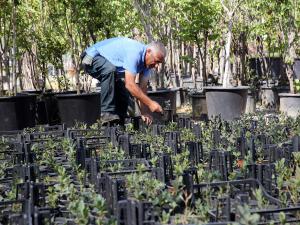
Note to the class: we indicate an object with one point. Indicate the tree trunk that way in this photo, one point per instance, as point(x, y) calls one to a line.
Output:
point(263, 61)
point(50, 85)
point(65, 80)
point(178, 62)
point(204, 74)
point(20, 73)
point(289, 67)
point(1, 76)
point(226, 76)
point(193, 66)
point(58, 74)
point(8, 75)
point(144, 14)
point(172, 55)
point(14, 49)
point(182, 49)
point(243, 55)
point(290, 75)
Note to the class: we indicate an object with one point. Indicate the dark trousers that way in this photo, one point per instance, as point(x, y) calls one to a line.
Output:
point(114, 96)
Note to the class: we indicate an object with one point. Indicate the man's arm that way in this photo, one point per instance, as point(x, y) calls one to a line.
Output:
point(138, 93)
point(143, 81)
point(145, 112)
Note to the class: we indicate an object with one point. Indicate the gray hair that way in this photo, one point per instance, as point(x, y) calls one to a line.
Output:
point(157, 46)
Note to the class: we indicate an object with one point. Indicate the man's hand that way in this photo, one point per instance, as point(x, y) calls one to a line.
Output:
point(147, 119)
point(139, 93)
point(155, 107)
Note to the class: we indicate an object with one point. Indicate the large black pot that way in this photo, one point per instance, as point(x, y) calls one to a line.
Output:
point(290, 104)
point(199, 106)
point(79, 108)
point(229, 103)
point(167, 99)
point(49, 108)
point(255, 66)
point(46, 107)
point(275, 67)
point(17, 112)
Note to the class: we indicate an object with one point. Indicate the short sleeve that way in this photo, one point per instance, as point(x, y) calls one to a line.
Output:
point(131, 62)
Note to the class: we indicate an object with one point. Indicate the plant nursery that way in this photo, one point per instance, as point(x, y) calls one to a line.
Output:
point(139, 112)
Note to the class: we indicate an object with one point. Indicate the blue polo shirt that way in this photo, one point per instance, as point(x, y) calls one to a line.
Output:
point(122, 52)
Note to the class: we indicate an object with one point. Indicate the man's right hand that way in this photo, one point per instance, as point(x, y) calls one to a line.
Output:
point(155, 107)
point(139, 93)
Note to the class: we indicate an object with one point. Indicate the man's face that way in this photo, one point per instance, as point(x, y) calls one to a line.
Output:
point(152, 59)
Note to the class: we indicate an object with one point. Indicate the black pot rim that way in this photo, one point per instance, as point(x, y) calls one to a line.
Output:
point(197, 95)
point(289, 95)
point(76, 95)
point(33, 90)
point(18, 96)
point(220, 88)
point(165, 90)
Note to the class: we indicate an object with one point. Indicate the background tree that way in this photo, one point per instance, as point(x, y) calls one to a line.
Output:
point(198, 23)
point(230, 8)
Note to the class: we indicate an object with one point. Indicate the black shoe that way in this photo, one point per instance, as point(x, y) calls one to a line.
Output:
point(107, 117)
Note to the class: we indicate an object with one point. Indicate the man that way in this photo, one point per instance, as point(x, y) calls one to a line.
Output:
point(115, 62)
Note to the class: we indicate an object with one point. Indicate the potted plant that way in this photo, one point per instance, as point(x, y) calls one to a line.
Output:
point(17, 111)
point(289, 27)
point(227, 101)
point(267, 57)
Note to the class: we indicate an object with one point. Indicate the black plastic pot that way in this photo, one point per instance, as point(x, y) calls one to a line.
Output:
point(290, 104)
point(255, 66)
point(47, 107)
point(229, 103)
point(49, 101)
point(167, 99)
point(79, 108)
point(199, 106)
point(17, 112)
point(275, 67)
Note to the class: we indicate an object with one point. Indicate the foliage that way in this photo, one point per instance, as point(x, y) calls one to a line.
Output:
point(246, 218)
point(261, 201)
point(144, 187)
point(276, 26)
point(297, 85)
